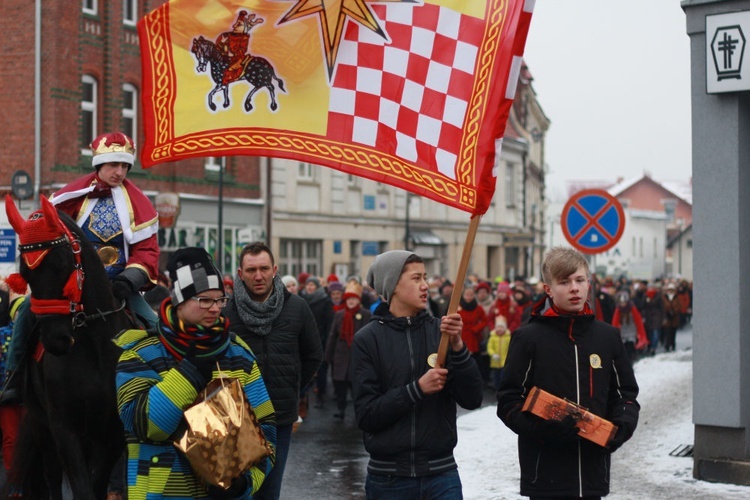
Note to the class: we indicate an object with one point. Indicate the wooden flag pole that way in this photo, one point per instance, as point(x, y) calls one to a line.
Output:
point(458, 287)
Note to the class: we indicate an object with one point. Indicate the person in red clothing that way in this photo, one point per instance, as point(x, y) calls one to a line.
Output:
point(234, 46)
point(630, 322)
point(475, 325)
point(505, 306)
point(118, 219)
point(685, 297)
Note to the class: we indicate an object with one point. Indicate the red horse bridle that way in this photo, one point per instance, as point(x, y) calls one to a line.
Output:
point(70, 303)
point(42, 232)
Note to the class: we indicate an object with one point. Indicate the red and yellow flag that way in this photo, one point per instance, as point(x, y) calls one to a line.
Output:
point(412, 93)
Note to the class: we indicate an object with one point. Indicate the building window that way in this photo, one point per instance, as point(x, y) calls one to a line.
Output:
point(296, 256)
point(215, 163)
point(130, 111)
point(510, 185)
point(305, 172)
point(670, 206)
point(352, 181)
point(90, 7)
point(129, 12)
point(369, 202)
point(88, 112)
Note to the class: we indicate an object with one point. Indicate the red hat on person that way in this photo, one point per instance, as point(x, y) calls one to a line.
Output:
point(503, 287)
point(483, 285)
point(112, 147)
point(302, 278)
point(353, 289)
point(331, 278)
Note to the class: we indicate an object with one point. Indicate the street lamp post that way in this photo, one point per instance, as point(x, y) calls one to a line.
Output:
point(407, 233)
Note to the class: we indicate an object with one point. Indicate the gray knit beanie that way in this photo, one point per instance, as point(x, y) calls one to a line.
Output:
point(385, 272)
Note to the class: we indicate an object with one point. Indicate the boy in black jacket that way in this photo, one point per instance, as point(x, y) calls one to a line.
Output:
point(564, 350)
point(406, 408)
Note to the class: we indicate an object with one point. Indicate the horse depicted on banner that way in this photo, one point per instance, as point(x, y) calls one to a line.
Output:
point(231, 63)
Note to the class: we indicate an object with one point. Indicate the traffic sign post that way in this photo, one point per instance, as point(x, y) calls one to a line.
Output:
point(592, 221)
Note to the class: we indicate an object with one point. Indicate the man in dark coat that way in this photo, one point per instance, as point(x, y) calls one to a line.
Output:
point(565, 351)
point(280, 329)
point(321, 307)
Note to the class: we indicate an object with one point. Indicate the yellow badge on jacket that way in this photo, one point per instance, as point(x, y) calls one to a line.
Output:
point(595, 361)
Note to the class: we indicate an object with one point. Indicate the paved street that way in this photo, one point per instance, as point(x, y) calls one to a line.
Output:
point(327, 459)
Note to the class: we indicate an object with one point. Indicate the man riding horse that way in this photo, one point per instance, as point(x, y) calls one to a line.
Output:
point(234, 45)
point(121, 223)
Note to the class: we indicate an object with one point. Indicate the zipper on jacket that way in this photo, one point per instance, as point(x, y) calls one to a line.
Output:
point(413, 430)
point(578, 401)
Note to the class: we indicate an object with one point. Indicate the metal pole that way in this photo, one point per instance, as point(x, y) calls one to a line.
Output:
point(406, 228)
point(220, 264)
point(37, 99)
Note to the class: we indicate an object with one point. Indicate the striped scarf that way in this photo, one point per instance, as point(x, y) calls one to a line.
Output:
point(179, 338)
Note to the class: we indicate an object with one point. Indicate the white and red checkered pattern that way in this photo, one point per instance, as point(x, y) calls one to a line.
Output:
point(407, 95)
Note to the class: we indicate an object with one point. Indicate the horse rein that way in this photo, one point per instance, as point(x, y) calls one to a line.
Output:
point(70, 304)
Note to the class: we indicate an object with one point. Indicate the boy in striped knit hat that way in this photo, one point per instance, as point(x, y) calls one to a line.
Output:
point(161, 372)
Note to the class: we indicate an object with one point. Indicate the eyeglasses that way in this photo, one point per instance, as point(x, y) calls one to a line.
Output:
point(208, 302)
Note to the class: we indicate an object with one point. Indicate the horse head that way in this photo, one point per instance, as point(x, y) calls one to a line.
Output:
point(50, 264)
point(200, 49)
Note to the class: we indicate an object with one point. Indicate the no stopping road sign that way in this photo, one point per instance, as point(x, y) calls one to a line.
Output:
point(592, 221)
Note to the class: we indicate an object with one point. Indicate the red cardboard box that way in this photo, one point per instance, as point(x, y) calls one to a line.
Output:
point(590, 426)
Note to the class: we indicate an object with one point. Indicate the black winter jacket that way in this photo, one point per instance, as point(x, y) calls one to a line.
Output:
point(406, 432)
point(580, 359)
point(288, 357)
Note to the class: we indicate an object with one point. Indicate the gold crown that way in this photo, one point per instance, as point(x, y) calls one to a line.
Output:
point(113, 143)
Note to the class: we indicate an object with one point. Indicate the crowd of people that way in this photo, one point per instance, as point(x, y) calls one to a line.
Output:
point(377, 340)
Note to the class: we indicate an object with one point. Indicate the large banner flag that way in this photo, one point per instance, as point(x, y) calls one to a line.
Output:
point(412, 93)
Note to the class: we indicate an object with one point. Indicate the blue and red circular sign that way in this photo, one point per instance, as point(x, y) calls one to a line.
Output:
point(593, 221)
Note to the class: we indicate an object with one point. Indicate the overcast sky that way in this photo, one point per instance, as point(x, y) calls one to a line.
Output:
point(614, 79)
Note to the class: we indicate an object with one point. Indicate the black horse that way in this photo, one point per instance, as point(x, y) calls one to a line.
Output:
point(72, 427)
point(259, 73)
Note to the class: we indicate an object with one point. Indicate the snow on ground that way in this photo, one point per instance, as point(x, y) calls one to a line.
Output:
point(487, 454)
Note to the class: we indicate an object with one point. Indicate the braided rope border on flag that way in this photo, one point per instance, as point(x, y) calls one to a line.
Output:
point(162, 69)
point(317, 147)
point(487, 56)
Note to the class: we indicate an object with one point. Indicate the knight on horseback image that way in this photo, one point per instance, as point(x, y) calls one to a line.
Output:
point(231, 62)
point(234, 45)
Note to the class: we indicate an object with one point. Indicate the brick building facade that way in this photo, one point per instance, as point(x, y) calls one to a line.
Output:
point(90, 81)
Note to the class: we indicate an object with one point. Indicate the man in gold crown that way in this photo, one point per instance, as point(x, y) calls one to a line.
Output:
point(121, 223)
point(118, 219)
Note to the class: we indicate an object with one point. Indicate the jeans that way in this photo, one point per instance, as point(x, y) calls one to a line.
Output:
point(445, 486)
point(497, 376)
point(271, 487)
point(654, 339)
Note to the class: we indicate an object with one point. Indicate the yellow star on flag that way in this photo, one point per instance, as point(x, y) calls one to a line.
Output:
point(333, 14)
